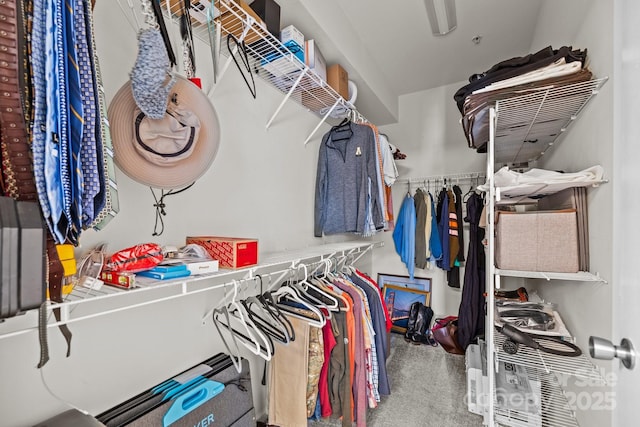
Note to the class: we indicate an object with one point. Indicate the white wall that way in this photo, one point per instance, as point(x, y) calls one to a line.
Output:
point(429, 133)
point(260, 185)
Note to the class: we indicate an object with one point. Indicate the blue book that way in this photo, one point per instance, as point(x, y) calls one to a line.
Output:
point(169, 267)
point(163, 275)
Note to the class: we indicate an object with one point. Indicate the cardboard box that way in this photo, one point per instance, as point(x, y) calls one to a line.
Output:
point(231, 252)
point(122, 279)
point(232, 21)
point(314, 59)
point(338, 79)
point(537, 241)
point(291, 33)
point(317, 98)
point(269, 11)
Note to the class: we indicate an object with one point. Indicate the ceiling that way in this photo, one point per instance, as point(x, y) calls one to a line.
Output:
point(388, 48)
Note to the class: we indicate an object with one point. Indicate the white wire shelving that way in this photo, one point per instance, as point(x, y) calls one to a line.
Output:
point(108, 299)
point(580, 276)
point(528, 125)
point(554, 408)
point(579, 367)
point(268, 59)
point(521, 130)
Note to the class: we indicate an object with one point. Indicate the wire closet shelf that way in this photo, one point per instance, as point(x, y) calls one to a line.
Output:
point(528, 125)
point(269, 59)
point(271, 270)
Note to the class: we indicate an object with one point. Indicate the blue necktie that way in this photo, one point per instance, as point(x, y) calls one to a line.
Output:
point(75, 122)
point(107, 206)
point(54, 151)
point(88, 153)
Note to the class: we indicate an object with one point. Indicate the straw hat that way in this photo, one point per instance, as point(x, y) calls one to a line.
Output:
point(171, 152)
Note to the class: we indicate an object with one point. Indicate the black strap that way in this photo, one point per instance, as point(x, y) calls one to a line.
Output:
point(160, 207)
point(527, 339)
point(163, 30)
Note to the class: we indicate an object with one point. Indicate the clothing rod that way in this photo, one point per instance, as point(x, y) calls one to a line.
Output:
point(454, 177)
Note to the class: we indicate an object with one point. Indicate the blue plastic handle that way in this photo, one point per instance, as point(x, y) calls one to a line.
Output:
point(175, 391)
point(191, 399)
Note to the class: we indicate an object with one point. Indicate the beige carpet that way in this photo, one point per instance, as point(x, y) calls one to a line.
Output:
point(428, 388)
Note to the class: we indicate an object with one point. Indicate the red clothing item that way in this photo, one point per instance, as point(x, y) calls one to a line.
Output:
point(323, 386)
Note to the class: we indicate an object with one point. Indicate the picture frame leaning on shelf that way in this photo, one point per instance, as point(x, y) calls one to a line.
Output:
point(400, 295)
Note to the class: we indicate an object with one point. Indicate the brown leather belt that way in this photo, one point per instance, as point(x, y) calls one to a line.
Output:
point(17, 165)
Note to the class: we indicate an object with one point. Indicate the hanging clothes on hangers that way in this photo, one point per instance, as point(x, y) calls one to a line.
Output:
point(379, 183)
point(421, 222)
point(453, 275)
point(458, 197)
point(288, 372)
point(379, 315)
point(435, 242)
point(390, 173)
point(404, 234)
point(339, 370)
point(358, 359)
point(471, 311)
point(346, 181)
point(443, 229)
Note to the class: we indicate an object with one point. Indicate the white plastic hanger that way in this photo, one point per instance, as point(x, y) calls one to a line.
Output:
point(333, 302)
point(247, 334)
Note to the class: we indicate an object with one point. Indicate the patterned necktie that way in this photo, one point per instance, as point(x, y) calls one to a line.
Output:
point(75, 123)
point(111, 206)
point(39, 123)
point(88, 154)
point(54, 151)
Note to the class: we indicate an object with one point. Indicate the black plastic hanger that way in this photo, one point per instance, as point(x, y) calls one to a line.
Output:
point(244, 58)
point(270, 304)
point(268, 324)
point(342, 131)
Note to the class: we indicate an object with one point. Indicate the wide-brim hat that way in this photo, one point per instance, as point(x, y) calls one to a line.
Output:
point(129, 144)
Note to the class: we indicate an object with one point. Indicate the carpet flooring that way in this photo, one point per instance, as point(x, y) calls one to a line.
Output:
point(428, 388)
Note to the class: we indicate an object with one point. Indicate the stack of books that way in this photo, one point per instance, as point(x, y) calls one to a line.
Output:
point(180, 268)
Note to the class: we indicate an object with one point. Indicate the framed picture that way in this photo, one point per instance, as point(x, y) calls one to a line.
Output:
point(419, 283)
point(398, 300)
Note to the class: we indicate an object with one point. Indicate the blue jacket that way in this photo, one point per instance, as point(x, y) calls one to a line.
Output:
point(404, 234)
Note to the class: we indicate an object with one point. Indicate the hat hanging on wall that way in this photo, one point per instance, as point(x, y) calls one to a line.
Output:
point(165, 153)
